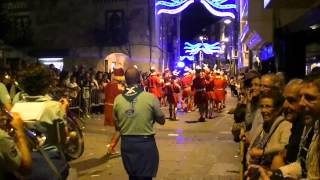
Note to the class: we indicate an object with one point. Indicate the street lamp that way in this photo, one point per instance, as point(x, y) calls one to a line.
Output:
point(225, 39)
point(202, 38)
point(227, 21)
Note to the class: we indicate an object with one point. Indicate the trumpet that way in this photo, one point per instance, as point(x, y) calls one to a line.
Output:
point(34, 138)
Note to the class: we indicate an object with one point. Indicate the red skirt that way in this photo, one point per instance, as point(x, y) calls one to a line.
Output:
point(220, 95)
point(211, 96)
point(186, 92)
point(173, 99)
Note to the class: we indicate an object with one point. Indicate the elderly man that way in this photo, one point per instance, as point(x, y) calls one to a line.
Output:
point(267, 83)
point(135, 112)
point(292, 113)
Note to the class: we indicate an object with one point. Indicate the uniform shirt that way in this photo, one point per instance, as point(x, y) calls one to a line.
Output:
point(10, 157)
point(52, 111)
point(146, 109)
point(4, 95)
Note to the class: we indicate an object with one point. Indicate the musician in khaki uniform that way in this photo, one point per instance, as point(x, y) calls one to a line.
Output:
point(14, 153)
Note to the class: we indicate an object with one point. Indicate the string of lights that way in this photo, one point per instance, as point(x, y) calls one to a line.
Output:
point(222, 8)
point(193, 49)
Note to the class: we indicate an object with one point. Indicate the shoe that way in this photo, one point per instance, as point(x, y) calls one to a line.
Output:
point(202, 119)
point(112, 152)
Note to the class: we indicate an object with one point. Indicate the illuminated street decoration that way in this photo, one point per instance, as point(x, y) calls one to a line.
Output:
point(206, 48)
point(222, 8)
point(172, 6)
point(190, 58)
point(217, 8)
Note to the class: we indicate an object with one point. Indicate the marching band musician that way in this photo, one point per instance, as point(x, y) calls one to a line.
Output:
point(200, 96)
point(219, 90)
point(172, 89)
point(154, 83)
point(14, 152)
point(111, 90)
point(186, 82)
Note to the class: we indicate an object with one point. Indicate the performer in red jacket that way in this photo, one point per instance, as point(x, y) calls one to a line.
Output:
point(154, 83)
point(200, 96)
point(219, 90)
point(172, 89)
point(111, 90)
point(186, 82)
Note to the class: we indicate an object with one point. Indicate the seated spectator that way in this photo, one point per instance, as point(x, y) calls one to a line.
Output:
point(273, 135)
point(35, 81)
point(292, 113)
point(307, 165)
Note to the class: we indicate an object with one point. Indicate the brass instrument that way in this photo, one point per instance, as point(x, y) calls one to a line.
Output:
point(35, 139)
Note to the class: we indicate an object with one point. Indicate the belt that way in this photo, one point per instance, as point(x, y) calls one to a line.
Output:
point(200, 90)
point(110, 104)
point(138, 136)
point(219, 89)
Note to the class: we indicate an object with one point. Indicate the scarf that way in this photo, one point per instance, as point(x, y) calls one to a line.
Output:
point(130, 93)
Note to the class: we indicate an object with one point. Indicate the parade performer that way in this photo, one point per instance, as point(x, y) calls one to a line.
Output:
point(210, 95)
point(186, 82)
point(166, 76)
point(219, 90)
point(154, 83)
point(200, 96)
point(111, 90)
point(172, 89)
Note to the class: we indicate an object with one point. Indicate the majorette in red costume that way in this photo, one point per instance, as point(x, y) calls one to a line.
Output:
point(172, 89)
point(210, 94)
point(186, 82)
point(219, 90)
point(154, 83)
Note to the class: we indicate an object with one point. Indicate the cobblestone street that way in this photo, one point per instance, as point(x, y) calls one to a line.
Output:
point(188, 149)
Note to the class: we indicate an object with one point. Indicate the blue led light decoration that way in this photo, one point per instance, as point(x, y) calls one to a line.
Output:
point(222, 8)
point(180, 64)
point(190, 58)
point(172, 6)
point(193, 49)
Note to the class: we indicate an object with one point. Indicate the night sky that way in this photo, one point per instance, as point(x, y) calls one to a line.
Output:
point(193, 20)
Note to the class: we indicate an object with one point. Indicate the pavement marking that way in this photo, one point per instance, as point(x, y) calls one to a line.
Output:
point(173, 134)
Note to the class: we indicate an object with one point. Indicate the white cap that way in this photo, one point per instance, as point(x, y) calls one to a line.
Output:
point(186, 69)
point(175, 72)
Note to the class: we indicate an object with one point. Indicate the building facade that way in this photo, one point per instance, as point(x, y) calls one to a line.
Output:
point(87, 31)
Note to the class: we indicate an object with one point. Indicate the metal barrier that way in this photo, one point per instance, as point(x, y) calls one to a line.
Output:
point(75, 102)
point(86, 100)
point(96, 99)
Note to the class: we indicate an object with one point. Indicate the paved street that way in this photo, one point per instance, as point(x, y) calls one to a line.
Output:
point(189, 150)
